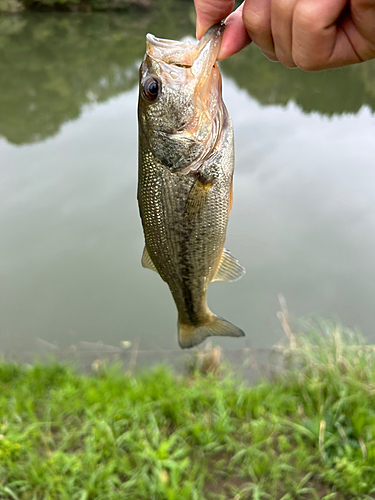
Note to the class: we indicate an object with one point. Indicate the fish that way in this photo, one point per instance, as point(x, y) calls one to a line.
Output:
point(186, 162)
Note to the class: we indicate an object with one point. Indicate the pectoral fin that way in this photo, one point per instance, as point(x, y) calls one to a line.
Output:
point(229, 268)
point(147, 262)
point(197, 196)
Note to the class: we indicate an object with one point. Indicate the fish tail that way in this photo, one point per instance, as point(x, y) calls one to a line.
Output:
point(191, 335)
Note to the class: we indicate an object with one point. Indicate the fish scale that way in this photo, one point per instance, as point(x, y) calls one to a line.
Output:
point(185, 179)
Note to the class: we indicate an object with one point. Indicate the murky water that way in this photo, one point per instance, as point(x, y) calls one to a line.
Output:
point(303, 221)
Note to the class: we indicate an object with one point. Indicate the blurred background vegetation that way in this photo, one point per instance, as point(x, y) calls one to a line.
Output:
point(71, 5)
point(308, 431)
point(53, 65)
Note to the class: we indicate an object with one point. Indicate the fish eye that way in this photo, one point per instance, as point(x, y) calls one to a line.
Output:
point(151, 88)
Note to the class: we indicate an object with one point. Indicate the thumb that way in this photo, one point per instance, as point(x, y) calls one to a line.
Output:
point(210, 12)
point(235, 35)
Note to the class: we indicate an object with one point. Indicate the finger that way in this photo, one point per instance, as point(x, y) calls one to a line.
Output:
point(363, 15)
point(361, 30)
point(257, 20)
point(318, 40)
point(281, 27)
point(235, 35)
point(210, 12)
point(270, 55)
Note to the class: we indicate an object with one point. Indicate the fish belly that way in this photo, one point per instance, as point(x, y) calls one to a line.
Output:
point(184, 223)
point(184, 219)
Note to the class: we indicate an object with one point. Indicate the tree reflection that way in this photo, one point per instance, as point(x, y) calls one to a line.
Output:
point(52, 66)
point(343, 90)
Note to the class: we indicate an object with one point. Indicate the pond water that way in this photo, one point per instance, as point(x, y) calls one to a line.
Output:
point(303, 220)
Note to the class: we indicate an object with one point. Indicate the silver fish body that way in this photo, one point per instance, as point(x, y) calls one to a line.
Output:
point(186, 160)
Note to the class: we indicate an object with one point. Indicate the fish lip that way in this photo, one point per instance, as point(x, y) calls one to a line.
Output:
point(165, 43)
point(217, 30)
point(183, 52)
point(168, 51)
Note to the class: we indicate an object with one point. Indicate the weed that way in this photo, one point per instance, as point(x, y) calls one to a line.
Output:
point(309, 433)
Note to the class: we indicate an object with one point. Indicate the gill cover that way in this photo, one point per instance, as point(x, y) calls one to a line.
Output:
point(181, 111)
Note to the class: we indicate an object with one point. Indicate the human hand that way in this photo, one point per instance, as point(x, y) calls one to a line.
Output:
point(309, 34)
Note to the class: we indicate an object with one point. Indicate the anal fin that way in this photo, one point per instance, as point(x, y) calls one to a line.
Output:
point(229, 268)
point(147, 262)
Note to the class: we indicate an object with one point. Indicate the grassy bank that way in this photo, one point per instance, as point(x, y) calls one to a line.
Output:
point(307, 433)
point(14, 6)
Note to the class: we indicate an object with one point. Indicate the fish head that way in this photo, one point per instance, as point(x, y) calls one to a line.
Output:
point(181, 112)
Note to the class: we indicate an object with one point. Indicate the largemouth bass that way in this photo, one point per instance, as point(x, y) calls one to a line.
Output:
point(186, 160)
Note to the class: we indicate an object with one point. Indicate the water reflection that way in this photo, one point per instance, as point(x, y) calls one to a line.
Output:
point(343, 90)
point(71, 241)
point(52, 66)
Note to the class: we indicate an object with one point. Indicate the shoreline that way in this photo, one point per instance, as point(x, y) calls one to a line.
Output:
point(306, 431)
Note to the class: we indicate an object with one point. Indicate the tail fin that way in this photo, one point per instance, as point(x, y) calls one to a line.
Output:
point(190, 335)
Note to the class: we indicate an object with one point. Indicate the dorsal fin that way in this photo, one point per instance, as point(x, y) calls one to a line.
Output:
point(229, 268)
point(147, 262)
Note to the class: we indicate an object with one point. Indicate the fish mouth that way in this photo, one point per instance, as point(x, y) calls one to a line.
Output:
point(193, 64)
point(199, 55)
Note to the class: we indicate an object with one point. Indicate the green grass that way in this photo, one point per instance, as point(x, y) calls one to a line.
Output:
point(307, 433)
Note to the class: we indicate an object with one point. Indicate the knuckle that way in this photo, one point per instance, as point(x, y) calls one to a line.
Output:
point(288, 63)
point(308, 27)
point(270, 55)
point(255, 25)
point(256, 21)
point(308, 16)
point(285, 59)
point(307, 63)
